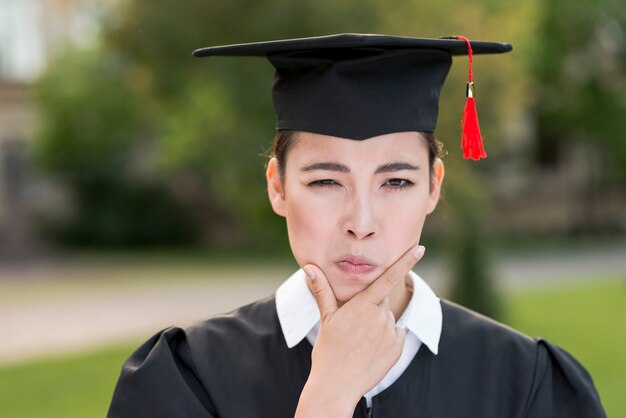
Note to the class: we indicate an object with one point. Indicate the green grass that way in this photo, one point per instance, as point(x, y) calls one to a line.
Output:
point(80, 386)
point(587, 319)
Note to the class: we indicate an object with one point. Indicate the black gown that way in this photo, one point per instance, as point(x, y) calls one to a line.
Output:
point(238, 365)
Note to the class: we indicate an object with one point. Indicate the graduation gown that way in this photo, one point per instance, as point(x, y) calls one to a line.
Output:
point(238, 365)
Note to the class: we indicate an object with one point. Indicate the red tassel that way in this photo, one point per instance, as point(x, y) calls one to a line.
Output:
point(472, 140)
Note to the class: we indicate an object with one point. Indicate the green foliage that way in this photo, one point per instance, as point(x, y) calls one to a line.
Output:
point(580, 67)
point(95, 136)
point(91, 118)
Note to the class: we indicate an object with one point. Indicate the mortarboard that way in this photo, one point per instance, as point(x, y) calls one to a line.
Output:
point(358, 86)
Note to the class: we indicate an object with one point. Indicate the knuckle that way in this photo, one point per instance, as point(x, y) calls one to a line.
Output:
point(318, 292)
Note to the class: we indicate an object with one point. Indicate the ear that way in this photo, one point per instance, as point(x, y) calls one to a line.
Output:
point(275, 189)
point(435, 184)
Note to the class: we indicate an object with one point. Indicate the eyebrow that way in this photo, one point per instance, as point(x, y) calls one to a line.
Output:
point(391, 167)
point(385, 168)
point(327, 167)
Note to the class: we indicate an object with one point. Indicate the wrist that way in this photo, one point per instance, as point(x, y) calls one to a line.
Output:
point(323, 400)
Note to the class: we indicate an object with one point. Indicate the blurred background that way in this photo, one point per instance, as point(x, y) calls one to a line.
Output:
point(132, 191)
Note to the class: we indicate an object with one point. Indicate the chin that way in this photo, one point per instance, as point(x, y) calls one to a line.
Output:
point(345, 286)
point(346, 291)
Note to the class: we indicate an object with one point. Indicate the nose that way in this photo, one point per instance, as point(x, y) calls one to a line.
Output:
point(360, 220)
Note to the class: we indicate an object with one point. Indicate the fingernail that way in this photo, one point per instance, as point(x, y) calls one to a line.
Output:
point(419, 251)
point(309, 272)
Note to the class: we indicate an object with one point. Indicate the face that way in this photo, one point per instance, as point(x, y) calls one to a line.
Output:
point(354, 207)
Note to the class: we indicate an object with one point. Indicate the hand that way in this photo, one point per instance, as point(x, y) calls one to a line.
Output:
point(358, 343)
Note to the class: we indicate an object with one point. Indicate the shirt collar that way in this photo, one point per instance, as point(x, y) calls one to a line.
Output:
point(298, 312)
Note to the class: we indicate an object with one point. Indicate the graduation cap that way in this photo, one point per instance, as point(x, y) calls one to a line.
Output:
point(358, 86)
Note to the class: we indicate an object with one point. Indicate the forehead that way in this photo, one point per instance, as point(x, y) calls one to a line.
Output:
point(395, 147)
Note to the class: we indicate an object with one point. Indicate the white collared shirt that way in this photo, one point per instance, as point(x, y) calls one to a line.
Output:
point(299, 317)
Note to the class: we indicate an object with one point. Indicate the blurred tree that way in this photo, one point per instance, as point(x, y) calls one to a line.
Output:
point(579, 63)
point(91, 137)
point(473, 284)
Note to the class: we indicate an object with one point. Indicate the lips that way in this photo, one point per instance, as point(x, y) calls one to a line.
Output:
point(351, 264)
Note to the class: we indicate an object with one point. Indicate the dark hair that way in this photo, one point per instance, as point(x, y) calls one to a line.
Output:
point(284, 139)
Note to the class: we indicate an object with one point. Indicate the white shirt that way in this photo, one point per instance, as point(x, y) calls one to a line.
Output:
point(299, 317)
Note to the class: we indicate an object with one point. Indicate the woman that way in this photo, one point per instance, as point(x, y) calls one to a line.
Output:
point(355, 172)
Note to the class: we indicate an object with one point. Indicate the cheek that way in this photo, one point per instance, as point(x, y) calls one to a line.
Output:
point(403, 224)
point(307, 234)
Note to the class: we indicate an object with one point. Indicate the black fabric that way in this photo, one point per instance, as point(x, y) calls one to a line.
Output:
point(357, 86)
point(238, 365)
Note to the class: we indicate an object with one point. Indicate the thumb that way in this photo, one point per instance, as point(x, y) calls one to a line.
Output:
point(319, 286)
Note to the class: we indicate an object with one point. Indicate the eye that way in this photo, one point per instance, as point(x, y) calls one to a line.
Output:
point(398, 184)
point(324, 183)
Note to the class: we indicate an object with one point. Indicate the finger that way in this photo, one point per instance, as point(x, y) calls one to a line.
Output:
point(383, 285)
point(321, 290)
